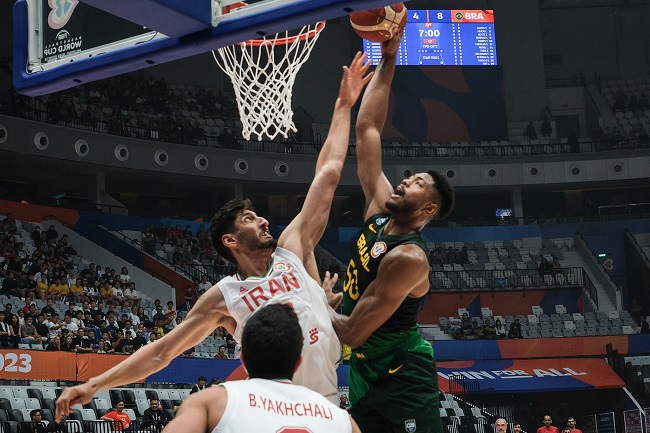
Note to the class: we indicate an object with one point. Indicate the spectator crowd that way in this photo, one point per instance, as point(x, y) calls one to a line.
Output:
point(55, 306)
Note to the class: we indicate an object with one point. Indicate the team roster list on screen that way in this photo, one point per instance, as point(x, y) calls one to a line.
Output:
point(444, 37)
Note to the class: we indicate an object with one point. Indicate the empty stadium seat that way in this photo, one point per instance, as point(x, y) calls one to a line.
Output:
point(88, 414)
point(131, 413)
point(140, 394)
point(47, 415)
point(20, 393)
point(129, 399)
point(17, 403)
point(32, 403)
point(15, 415)
point(47, 403)
point(142, 404)
point(35, 393)
point(163, 394)
point(49, 393)
point(5, 404)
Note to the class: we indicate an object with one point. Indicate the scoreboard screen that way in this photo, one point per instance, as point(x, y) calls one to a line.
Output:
point(444, 37)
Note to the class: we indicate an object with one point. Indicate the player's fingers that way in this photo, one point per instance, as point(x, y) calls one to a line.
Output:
point(357, 63)
point(366, 62)
point(68, 398)
point(368, 77)
point(329, 281)
point(62, 407)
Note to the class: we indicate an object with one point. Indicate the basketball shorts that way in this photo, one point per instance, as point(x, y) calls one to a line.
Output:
point(396, 392)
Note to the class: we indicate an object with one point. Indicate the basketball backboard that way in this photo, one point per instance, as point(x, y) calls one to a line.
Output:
point(62, 43)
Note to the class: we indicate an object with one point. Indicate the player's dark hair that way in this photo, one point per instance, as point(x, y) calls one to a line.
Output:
point(444, 196)
point(271, 342)
point(224, 222)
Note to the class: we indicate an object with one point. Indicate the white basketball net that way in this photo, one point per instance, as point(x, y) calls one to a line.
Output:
point(263, 73)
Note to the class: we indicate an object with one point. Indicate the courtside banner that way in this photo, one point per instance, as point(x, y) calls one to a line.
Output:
point(37, 364)
point(92, 364)
point(451, 350)
point(528, 375)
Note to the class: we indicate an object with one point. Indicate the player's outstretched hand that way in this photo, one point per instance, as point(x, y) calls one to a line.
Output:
point(333, 299)
point(354, 79)
point(80, 394)
point(391, 46)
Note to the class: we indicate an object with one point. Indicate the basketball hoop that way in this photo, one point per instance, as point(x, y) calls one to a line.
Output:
point(263, 78)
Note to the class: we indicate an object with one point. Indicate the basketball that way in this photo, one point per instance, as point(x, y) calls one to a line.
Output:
point(378, 25)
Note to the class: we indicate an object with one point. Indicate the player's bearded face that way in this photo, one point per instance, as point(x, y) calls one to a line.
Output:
point(400, 201)
point(410, 195)
point(257, 238)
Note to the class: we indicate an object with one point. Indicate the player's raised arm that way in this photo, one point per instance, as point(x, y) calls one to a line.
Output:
point(208, 313)
point(306, 229)
point(370, 122)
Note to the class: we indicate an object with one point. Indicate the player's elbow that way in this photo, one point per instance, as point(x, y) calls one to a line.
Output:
point(355, 340)
point(365, 125)
point(330, 173)
point(349, 337)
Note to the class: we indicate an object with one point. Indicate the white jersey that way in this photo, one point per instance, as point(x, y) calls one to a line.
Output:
point(260, 405)
point(287, 282)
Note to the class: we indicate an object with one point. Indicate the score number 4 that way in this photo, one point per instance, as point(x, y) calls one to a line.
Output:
point(16, 362)
point(416, 16)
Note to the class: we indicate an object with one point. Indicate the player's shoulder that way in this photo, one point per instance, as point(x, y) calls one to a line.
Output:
point(410, 253)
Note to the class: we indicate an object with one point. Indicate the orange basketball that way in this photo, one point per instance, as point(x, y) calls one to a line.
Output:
point(378, 25)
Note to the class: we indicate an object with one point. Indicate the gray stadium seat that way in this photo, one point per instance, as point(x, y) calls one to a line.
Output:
point(131, 413)
point(26, 414)
point(142, 404)
point(49, 393)
point(20, 393)
point(32, 403)
point(88, 415)
point(102, 403)
point(17, 403)
point(174, 395)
